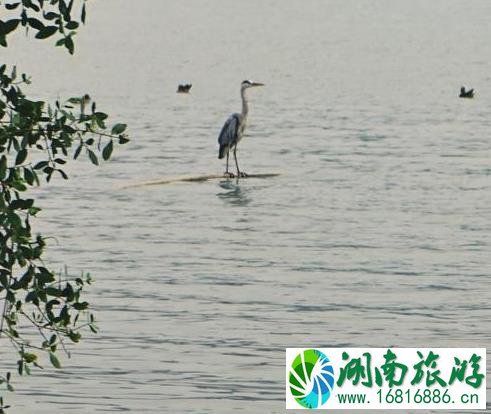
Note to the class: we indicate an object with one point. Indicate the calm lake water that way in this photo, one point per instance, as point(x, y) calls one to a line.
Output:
point(376, 233)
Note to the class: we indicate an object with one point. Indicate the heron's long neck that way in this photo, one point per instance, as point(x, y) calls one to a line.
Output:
point(245, 103)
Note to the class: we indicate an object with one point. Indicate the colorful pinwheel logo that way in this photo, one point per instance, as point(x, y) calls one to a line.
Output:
point(311, 378)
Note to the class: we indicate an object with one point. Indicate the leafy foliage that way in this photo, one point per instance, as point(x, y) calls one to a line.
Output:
point(41, 311)
point(46, 18)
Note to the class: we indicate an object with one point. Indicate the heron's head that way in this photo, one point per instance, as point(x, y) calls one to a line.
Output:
point(250, 84)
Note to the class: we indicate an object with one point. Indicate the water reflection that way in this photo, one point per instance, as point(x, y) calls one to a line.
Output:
point(235, 195)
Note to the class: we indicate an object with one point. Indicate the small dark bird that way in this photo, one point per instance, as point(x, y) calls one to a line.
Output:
point(184, 88)
point(466, 94)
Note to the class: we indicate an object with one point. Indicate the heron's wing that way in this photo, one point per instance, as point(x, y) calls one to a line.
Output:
point(228, 134)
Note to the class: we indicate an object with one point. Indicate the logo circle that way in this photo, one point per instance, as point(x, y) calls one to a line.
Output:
point(311, 378)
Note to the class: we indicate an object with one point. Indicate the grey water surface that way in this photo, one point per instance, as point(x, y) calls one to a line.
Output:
point(376, 233)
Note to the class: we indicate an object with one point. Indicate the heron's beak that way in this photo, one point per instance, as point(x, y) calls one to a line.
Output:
point(257, 84)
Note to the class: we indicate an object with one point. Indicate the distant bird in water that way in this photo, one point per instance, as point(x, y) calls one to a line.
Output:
point(466, 94)
point(184, 88)
point(233, 129)
point(83, 101)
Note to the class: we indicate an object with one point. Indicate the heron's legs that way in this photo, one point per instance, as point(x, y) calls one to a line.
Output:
point(239, 173)
point(228, 174)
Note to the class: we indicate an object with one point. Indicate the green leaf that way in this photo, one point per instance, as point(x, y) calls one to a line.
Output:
point(46, 32)
point(11, 6)
point(40, 165)
point(35, 23)
point(72, 25)
point(83, 16)
point(4, 279)
point(69, 45)
point(10, 297)
point(22, 204)
point(74, 336)
point(77, 151)
point(118, 129)
point(29, 176)
point(21, 156)
point(81, 306)
point(3, 167)
point(64, 10)
point(34, 210)
point(31, 5)
point(107, 151)
point(93, 157)
point(30, 357)
point(8, 26)
point(31, 297)
point(99, 118)
point(44, 276)
point(54, 360)
point(51, 16)
point(63, 174)
point(52, 291)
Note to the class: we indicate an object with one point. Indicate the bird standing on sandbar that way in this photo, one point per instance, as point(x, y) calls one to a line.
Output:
point(233, 129)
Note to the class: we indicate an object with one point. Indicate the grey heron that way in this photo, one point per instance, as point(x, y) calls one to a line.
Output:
point(233, 129)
